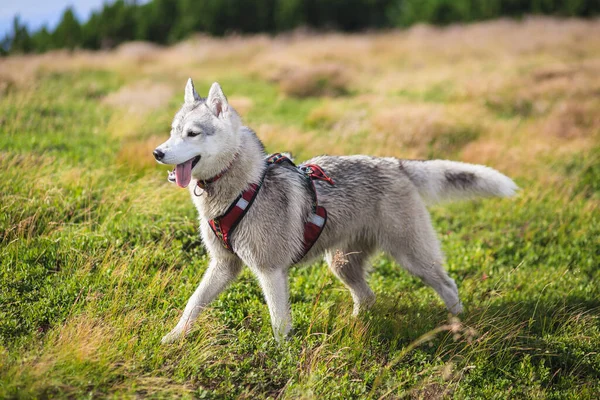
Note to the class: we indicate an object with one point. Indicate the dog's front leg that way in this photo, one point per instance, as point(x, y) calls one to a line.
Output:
point(216, 278)
point(275, 288)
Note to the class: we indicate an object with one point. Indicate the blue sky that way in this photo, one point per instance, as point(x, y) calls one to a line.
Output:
point(36, 13)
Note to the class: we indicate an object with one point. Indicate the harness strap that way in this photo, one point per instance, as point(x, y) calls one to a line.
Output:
point(278, 158)
point(312, 230)
point(224, 225)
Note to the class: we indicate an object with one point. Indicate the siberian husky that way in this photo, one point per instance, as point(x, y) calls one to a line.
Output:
point(373, 204)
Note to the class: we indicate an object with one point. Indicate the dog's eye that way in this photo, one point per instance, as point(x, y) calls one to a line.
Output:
point(193, 133)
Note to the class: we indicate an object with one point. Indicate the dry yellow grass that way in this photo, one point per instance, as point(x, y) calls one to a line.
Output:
point(241, 104)
point(141, 97)
point(487, 92)
point(325, 79)
point(134, 153)
point(573, 119)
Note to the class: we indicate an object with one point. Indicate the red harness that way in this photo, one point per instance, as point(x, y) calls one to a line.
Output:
point(224, 225)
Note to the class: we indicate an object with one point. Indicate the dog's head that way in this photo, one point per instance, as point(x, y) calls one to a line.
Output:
point(204, 136)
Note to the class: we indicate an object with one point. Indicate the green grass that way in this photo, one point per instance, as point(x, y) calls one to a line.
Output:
point(97, 262)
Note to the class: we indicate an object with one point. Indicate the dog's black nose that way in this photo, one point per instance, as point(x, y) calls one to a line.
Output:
point(159, 155)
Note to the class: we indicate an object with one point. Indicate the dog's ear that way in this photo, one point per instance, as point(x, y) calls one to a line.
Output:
point(216, 100)
point(190, 93)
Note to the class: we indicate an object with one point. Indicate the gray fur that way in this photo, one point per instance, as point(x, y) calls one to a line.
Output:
point(376, 203)
point(460, 179)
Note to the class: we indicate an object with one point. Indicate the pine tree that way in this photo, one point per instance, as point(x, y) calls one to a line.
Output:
point(19, 40)
point(42, 40)
point(68, 32)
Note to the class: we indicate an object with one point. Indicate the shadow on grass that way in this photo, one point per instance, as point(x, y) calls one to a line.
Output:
point(560, 334)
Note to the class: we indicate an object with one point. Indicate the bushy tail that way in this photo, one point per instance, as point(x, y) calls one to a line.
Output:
point(441, 180)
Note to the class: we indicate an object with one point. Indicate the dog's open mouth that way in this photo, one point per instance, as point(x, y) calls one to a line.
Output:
point(182, 173)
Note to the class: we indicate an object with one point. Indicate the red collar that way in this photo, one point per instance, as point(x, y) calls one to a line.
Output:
point(201, 183)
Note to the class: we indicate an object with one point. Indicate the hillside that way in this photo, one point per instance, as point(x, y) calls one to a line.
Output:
point(99, 253)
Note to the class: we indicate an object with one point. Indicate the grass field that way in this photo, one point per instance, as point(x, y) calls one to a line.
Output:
point(99, 253)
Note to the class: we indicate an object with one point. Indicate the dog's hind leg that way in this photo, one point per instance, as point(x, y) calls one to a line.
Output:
point(349, 265)
point(275, 288)
point(216, 278)
point(415, 246)
point(431, 271)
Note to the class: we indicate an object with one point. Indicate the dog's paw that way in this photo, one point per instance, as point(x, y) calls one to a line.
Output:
point(363, 305)
point(172, 336)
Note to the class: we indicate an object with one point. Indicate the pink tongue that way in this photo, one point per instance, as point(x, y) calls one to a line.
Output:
point(183, 173)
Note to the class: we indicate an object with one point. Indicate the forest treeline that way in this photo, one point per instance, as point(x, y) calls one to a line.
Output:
point(167, 21)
